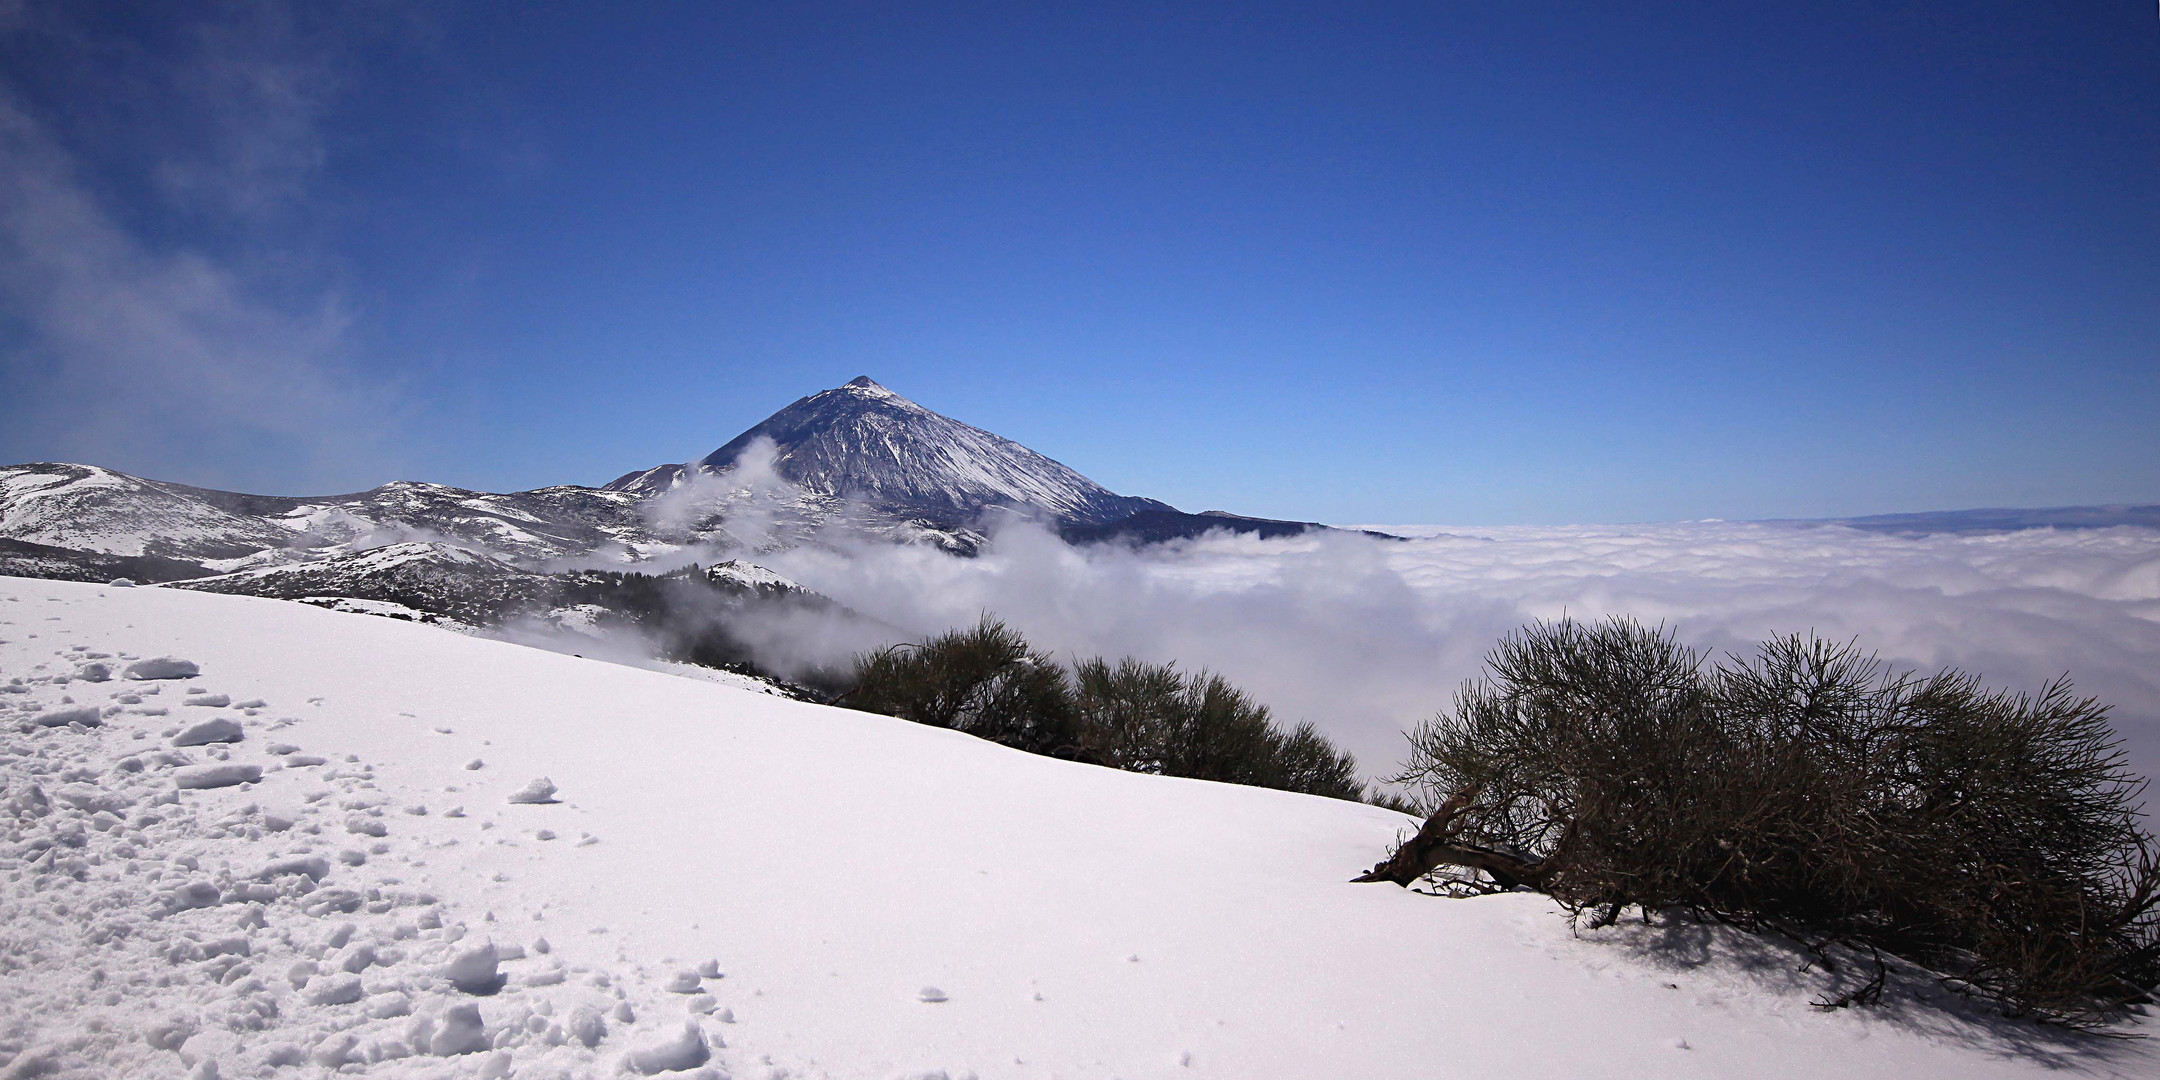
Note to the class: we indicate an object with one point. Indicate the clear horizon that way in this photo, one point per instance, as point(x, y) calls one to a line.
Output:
point(1577, 264)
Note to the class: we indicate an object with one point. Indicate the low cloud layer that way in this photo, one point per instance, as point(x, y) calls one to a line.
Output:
point(1366, 637)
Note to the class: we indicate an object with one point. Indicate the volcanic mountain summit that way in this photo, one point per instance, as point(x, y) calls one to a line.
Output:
point(864, 442)
point(868, 445)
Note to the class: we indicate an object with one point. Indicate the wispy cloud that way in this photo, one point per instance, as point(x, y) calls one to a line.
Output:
point(180, 357)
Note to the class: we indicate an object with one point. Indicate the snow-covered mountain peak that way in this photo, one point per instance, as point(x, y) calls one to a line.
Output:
point(862, 441)
point(864, 384)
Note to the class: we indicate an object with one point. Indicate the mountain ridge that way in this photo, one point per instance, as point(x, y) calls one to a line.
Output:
point(858, 455)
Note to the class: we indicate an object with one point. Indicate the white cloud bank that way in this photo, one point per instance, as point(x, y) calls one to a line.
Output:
point(1365, 637)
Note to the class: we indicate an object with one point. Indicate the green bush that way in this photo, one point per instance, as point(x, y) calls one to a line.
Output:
point(984, 681)
point(1993, 837)
point(1150, 718)
point(1136, 716)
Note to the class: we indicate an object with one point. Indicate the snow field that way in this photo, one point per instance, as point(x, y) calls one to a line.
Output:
point(726, 883)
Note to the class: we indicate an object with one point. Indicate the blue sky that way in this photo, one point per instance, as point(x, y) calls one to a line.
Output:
point(1473, 263)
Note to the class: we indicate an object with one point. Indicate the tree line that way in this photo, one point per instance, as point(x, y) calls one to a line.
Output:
point(1132, 714)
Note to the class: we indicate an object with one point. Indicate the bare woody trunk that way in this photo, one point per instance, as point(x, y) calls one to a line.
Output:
point(1435, 845)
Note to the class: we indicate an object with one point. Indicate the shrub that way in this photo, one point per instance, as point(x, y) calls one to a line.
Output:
point(984, 681)
point(1136, 716)
point(1810, 790)
point(1151, 718)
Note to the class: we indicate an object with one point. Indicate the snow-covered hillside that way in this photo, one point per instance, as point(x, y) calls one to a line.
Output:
point(92, 509)
point(757, 887)
point(87, 508)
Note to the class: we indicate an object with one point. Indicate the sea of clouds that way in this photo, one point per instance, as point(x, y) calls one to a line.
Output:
point(1365, 637)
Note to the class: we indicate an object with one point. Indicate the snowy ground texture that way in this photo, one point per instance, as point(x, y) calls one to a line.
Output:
point(717, 882)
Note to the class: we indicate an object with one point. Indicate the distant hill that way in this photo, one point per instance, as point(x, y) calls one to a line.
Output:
point(2005, 520)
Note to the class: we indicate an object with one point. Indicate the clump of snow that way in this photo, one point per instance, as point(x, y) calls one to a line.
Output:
point(335, 990)
point(539, 790)
point(86, 715)
point(389, 1006)
point(312, 867)
point(475, 970)
point(685, 1050)
point(222, 774)
point(161, 667)
point(215, 730)
point(94, 672)
point(209, 701)
point(586, 1026)
point(461, 1031)
point(930, 994)
point(196, 894)
point(363, 825)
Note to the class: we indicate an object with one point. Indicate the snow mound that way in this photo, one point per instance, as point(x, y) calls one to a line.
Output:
point(161, 667)
point(475, 971)
point(86, 715)
point(215, 730)
point(683, 1051)
point(537, 791)
point(461, 1032)
point(223, 774)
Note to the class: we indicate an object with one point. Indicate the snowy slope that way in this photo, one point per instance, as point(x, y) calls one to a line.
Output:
point(92, 509)
point(465, 585)
point(1077, 922)
point(533, 527)
point(99, 510)
point(862, 441)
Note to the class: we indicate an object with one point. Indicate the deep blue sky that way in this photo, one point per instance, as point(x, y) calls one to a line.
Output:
point(1469, 263)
